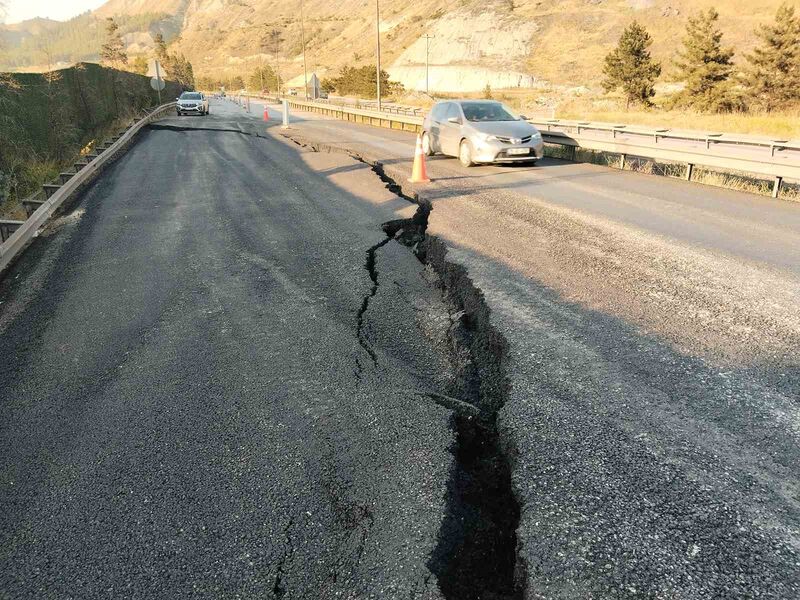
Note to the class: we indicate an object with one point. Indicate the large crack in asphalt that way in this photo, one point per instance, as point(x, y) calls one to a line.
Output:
point(370, 267)
point(182, 128)
point(476, 556)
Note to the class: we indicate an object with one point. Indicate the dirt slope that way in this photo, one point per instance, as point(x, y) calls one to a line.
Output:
point(502, 42)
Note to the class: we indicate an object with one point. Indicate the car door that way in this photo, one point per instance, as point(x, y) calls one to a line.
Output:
point(450, 132)
point(437, 116)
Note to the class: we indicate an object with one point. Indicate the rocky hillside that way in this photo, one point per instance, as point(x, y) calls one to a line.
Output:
point(506, 43)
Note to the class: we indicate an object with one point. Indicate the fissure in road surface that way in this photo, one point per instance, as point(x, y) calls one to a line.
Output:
point(161, 127)
point(477, 550)
point(476, 554)
point(370, 267)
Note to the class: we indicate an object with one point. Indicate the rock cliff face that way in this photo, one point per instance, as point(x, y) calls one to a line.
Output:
point(467, 51)
point(505, 43)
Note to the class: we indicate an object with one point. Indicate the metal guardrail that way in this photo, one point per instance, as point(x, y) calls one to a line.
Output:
point(26, 230)
point(778, 159)
point(762, 157)
point(377, 118)
point(396, 109)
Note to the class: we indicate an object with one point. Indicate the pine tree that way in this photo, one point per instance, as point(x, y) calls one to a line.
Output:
point(160, 47)
point(705, 66)
point(175, 65)
point(263, 75)
point(772, 77)
point(182, 71)
point(113, 51)
point(630, 67)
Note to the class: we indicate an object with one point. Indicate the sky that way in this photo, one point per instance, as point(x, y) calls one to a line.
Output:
point(61, 10)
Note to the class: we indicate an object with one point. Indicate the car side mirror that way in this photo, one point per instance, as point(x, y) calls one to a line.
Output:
point(453, 120)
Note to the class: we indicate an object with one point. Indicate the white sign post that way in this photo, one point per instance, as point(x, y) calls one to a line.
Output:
point(156, 82)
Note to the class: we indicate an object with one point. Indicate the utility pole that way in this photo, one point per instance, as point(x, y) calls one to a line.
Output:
point(378, 47)
point(275, 37)
point(428, 39)
point(303, 40)
point(263, 47)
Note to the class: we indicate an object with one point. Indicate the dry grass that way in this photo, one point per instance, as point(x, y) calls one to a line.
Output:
point(543, 104)
point(778, 125)
point(31, 174)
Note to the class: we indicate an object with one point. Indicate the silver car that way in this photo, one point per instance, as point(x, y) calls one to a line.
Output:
point(480, 131)
point(192, 103)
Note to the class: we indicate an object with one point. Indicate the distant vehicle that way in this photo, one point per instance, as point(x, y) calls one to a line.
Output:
point(192, 103)
point(323, 95)
point(480, 131)
point(293, 92)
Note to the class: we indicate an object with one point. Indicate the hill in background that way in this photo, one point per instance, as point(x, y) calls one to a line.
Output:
point(504, 43)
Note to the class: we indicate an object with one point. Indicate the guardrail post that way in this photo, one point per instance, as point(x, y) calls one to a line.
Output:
point(7, 227)
point(286, 114)
point(622, 158)
point(689, 171)
point(776, 187)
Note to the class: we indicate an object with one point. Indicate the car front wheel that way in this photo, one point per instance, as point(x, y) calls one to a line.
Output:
point(465, 154)
point(427, 149)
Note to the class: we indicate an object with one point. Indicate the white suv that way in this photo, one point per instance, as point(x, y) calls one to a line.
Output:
point(192, 103)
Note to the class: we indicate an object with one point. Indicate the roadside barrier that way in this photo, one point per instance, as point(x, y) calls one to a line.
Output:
point(359, 115)
point(773, 159)
point(776, 159)
point(17, 234)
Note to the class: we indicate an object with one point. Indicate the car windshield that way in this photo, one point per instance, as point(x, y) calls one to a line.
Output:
point(487, 111)
point(190, 96)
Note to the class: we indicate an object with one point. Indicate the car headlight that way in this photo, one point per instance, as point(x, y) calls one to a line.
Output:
point(537, 136)
point(490, 138)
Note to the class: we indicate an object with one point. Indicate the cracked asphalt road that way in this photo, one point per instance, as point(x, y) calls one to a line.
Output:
point(186, 407)
point(210, 390)
point(653, 419)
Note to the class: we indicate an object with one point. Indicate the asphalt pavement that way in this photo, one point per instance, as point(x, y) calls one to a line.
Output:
point(221, 379)
point(747, 226)
point(199, 397)
point(653, 416)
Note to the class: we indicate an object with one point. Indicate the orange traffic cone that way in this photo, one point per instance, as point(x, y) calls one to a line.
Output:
point(266, 114)
point(418, 172)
